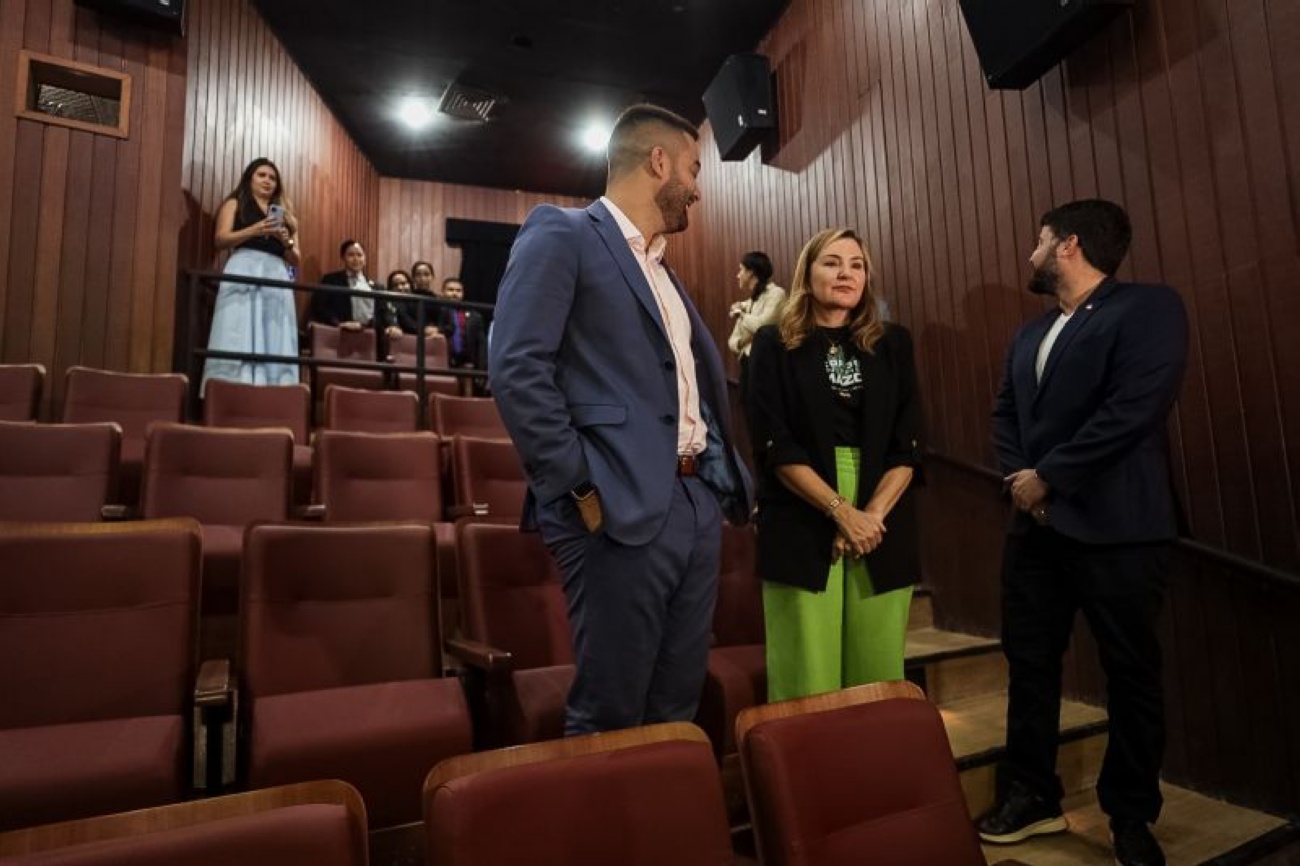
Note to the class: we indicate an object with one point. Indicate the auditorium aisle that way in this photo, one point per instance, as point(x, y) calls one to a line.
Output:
point(966, 677)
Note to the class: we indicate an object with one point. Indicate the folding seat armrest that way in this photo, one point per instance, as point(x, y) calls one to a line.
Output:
point(216, 705)
point(118, 512)
point(474, 509)
point(480, 656)
point(315, 512)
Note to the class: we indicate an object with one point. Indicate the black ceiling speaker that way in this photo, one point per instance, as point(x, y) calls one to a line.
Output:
point(740, 104)
point(1018, 40)
point(166, 15)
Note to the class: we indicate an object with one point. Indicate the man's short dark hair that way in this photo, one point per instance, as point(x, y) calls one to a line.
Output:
point(1102, 227)
point(348, 244)
point(452, 280)
point(629, 143)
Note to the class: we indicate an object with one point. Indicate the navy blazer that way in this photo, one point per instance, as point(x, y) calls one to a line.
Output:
point(1094, 427)
point(584, 375)
point(792, 421)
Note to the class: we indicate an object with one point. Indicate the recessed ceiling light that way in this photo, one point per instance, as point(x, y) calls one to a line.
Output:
point(415, 111)
point(596, 136)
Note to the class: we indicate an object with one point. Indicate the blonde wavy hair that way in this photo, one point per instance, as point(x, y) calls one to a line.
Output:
point(797, 320)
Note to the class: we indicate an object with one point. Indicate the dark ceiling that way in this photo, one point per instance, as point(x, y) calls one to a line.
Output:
point(554, 64)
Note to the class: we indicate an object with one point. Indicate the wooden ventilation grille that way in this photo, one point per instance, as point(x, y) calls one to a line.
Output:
point(76, 95)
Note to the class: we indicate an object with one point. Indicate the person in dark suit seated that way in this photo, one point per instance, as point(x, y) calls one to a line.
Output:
point(464, 330)
point(341, 311)
point(835, 415)
point(1079, 430)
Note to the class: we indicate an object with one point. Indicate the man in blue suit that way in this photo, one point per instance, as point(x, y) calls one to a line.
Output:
point(1079, 429)
point(613, 392)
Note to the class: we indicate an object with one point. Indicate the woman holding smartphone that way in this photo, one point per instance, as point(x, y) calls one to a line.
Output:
point(257, 222)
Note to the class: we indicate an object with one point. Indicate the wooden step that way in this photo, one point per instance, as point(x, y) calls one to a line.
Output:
point(951, 666)
point(1193, 830)
point(977, 733)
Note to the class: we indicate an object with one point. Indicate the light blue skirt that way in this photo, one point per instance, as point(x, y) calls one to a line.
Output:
point(252, 318)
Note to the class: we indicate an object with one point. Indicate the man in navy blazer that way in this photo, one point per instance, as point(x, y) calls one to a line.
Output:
point(1079, 430)
point(613, 392)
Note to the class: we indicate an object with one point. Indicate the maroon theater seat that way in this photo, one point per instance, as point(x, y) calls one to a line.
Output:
point(63, 472)
point(339, 662)
point(402, 350)
point(737, 673)
point(134, 401)
point(313, 824)
point(863, 775)
point(224, 479)
point(488, 478)
point(335, 344)
point(361, 411)
point(466, 416)
point(396, 476)
point(644, 797)
point(98, 628)
point(20, 391)
point(517, 636)
point(241, 406)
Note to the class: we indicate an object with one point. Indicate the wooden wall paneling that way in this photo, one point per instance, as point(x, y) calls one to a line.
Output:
point(23, 240)
point(12, 25)
point(1261, 690)
point(49, 213)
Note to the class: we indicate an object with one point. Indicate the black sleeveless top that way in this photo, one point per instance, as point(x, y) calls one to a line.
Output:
point(248, 213)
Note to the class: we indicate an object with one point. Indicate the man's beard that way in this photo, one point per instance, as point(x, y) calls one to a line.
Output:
point(673, 199)
point(1045, 280)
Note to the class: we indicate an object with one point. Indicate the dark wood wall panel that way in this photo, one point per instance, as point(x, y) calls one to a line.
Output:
point(245, 99)
point(1189, 114)
point(413, 220)
point(88, 223)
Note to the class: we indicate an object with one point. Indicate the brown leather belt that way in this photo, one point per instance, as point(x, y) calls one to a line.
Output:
point(686, 465)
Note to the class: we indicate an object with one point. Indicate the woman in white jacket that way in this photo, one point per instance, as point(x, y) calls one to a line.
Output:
point(762, 307)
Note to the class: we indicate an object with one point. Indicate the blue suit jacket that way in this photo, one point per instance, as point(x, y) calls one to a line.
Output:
point(1094, 427)
point(585, 380)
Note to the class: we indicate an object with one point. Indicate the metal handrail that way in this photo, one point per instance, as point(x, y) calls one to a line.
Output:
point(196, 354)
point(1217, 555)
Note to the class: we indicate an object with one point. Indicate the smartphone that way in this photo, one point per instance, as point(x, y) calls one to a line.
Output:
point(275, 212)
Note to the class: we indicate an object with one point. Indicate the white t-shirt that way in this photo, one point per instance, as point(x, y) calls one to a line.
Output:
point(1045, 347)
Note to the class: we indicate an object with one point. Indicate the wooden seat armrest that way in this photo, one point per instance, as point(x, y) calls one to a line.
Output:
point(480, 656)
point(315, 513)
point(216, 711)
point(474, 509)
point(213, 687)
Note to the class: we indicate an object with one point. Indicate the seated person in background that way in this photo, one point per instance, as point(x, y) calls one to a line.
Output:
point(349, 313)
point(464, 330)
point(399, 317)
point(422, 284)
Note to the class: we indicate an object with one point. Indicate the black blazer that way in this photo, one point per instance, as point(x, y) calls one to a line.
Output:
point(331, 309)
point(1094, 427)
point(791, 417)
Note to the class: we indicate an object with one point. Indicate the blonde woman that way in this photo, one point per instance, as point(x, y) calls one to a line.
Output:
point(761, 307)
point(836, 418)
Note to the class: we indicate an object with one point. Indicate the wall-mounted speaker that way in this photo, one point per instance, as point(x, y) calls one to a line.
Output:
point(166, 15)
point(1019, 40)
point(740, 104)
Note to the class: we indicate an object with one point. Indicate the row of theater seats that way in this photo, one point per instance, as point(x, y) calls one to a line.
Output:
point(337, 672)
point(135, 402)
point(334, 344)
point(228, 478)
point(859, 776)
